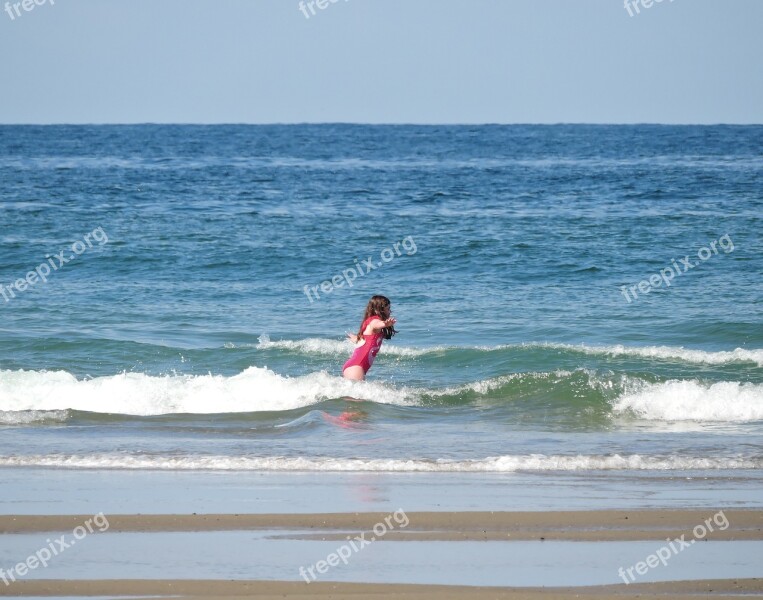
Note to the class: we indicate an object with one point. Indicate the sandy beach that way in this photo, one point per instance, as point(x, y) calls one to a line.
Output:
point(270, 590)
point(447, 528)
point(606, 525)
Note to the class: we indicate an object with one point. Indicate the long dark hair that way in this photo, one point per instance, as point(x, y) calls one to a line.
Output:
point(378, 306)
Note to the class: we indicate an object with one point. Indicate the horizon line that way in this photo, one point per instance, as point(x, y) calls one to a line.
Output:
point(385, 124)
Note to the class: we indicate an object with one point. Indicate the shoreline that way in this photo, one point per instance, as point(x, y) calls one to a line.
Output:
point(55, 492)
point(606, 525)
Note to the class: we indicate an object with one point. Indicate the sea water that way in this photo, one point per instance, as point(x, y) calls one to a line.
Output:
point(199, 281)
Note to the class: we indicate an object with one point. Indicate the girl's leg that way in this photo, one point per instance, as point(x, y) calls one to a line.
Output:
point(356, 373)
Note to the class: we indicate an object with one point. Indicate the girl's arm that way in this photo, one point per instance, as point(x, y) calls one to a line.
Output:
point(378, 324)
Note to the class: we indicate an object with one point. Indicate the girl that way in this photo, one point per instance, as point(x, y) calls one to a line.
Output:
point(377, 326)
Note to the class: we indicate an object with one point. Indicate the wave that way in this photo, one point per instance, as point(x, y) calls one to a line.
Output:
point(327, 347)
point(694, 401)
point(28, 397)
point(506, 382)
point(330, 347)
point(255, 389)
point(28, 417)
point(497, 464)
point(672, 400)
point(667, 353)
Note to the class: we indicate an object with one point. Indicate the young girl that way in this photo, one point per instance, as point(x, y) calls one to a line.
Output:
point(377, 326)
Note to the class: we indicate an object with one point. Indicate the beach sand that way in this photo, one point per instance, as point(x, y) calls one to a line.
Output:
point(451, 527)
point(270, 590)
point(603, 525)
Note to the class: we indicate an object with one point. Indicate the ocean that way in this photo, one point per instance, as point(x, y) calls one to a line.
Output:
point(570, 299)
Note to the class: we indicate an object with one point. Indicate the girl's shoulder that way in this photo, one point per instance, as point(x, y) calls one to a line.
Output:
point(368, 321)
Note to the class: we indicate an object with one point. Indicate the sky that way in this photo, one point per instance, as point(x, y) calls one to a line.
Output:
point(381, 61)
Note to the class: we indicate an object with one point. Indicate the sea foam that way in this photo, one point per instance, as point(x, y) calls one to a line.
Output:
point(255, 389)
point(333, 347)
point(496, 464)
point(695, 401)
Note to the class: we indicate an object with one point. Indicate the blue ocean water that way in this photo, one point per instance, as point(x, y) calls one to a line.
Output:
point(568, 297)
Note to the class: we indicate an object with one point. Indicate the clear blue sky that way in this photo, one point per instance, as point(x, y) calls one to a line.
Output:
point(382, 61)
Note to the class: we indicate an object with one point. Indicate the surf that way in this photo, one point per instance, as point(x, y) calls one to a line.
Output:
point(494, 464)
point(580, 396)
point(332, 347)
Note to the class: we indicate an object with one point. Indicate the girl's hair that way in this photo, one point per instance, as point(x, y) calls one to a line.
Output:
point(378, 306)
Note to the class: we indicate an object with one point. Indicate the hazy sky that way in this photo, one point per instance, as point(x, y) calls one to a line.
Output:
point(382, 61)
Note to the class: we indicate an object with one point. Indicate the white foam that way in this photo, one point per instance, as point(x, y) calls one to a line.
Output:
point(256, 389)
point(499, 464)
point(694, 401)
point(666, 353)
point(32, 396)
point(331, 347)
point(32, 416)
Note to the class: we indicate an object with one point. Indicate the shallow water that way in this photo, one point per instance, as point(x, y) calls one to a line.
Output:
point(252, 555)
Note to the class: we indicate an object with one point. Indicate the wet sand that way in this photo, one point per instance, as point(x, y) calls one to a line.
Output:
point(272, 590)
point(592, 526)
point(607, 525)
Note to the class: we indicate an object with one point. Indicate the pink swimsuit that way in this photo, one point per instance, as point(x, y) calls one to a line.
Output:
point(364, 355)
